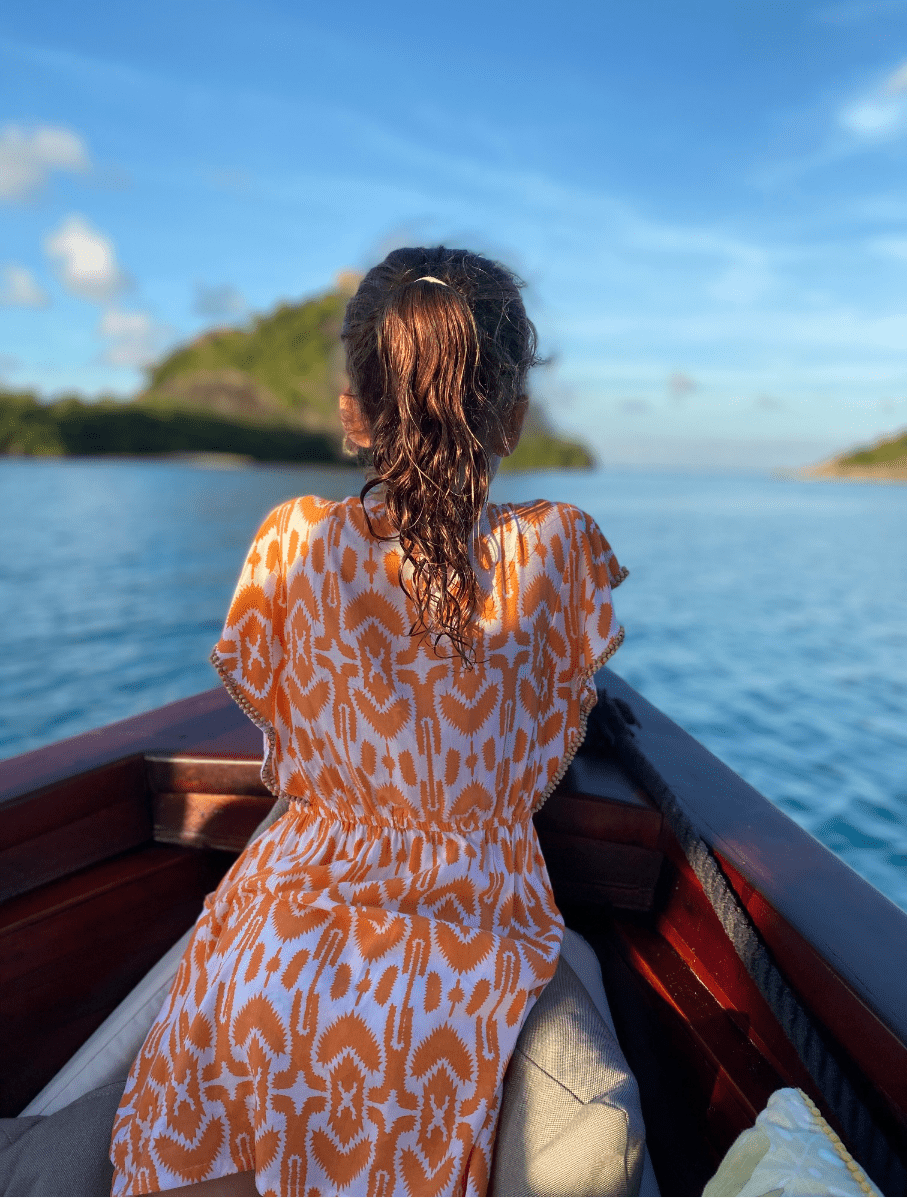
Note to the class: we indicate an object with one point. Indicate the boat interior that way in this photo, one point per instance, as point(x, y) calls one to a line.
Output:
point(109, 842)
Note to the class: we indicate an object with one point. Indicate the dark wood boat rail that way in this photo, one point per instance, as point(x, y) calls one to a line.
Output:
point(109, 842)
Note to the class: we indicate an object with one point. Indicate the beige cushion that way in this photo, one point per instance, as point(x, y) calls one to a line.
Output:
point(570, 1118)
point(790, 1150)
point(65, 1153)
point(580, 956)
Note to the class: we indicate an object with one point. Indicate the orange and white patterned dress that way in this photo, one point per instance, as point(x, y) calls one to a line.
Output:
point(344, 1013)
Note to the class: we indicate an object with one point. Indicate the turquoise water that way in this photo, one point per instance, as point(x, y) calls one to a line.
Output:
point(767, 616)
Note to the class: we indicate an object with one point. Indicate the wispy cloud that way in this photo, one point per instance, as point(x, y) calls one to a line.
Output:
point(681, 385)
point(860, 12)
point(19, 289)
point(28, 155)
point(85, 260)
point(853, 118)
point(894, 248)
point(634, 407)
point(133, 339)
point(795, 333)
point(768, 403)
point(879, 113)
point(219, 302)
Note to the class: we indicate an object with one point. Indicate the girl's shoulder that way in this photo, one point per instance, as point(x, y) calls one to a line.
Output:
point(306, 513)
point(295, 526)
point(310, 509)
point(547, 518)
point(568, 539)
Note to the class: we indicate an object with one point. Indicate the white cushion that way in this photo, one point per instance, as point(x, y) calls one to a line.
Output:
point(790, 1150)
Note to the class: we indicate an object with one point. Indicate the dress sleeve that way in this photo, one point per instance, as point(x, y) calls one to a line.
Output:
point(250, 653)
point(597, 573)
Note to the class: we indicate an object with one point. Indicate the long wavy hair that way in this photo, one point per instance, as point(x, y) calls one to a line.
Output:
point(437, 371)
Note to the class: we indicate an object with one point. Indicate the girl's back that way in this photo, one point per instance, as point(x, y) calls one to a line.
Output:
point(344, 1014)
point(370, 722)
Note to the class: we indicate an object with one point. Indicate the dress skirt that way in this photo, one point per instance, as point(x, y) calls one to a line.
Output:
point(344, 1012)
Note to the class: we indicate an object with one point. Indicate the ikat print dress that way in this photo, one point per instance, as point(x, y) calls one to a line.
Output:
point(344, 1013)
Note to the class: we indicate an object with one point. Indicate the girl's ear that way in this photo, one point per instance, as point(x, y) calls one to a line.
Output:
point(512, 427)
point(355, 426)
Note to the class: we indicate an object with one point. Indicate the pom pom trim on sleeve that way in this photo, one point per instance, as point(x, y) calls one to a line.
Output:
point(588, 702)
point(268, 775)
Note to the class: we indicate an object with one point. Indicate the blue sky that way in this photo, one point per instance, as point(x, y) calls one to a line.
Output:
point(706, 199)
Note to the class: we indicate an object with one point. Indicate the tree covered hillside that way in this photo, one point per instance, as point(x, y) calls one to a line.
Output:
point(285, 366)
point(886, 460)
point(885, 452)
point(267, 390)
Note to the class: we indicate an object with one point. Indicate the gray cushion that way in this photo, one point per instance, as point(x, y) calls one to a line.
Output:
point(64, 1153)
point(571, 1121)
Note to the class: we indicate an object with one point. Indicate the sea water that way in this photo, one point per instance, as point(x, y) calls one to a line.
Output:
point(767, 616)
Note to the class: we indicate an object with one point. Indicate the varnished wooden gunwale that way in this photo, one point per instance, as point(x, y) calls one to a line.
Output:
point(79, 820)
point(71, 950)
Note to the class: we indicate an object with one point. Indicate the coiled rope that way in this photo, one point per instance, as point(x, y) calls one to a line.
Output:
point(611, 721)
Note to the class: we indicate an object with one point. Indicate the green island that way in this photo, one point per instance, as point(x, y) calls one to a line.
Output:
point(884, 461)
point(263, 392)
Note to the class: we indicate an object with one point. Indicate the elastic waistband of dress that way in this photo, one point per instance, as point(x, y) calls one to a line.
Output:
point(400, 820)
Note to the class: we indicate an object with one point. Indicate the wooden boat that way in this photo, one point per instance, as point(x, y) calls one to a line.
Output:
point(110, 840)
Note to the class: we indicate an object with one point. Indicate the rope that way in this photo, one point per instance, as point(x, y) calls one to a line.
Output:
point(611, 721)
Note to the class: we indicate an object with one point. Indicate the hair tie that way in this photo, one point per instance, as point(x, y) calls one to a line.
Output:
point(431, 279)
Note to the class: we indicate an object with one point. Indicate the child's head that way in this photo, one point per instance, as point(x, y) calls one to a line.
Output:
point(438, 368)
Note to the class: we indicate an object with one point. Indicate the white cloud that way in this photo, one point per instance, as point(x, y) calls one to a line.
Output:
point(18, 288)
point(875, 117)
point(28, 155)
point(85, 260)
point(133, 338)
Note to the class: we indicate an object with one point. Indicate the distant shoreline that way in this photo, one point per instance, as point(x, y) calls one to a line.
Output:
point(237, 461)
point(883, 462)
point(888, 473)
point(72, 428)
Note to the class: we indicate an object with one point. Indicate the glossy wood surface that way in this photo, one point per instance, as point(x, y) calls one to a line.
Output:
point(859, 933)
point(70, 951)
point(64, 827)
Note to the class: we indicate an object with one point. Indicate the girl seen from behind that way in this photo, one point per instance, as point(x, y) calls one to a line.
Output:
point(420, 662)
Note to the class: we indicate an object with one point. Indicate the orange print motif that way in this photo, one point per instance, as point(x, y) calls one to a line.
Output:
point(346, 1008)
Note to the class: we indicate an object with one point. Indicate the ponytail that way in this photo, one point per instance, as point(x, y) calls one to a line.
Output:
point(434, 370)
point(433, 466)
